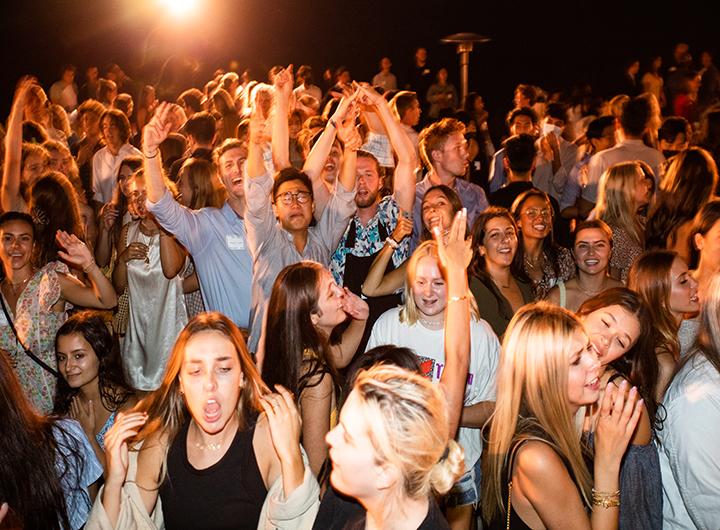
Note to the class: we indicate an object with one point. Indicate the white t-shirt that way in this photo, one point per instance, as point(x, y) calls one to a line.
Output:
point(429, 346)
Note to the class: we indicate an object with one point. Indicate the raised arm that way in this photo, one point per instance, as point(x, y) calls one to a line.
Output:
point(100, 294)
point(377, 283)
point(404, 179)
point(455, 257)
point(153, 135)
point(280, 136)
point(10, 197)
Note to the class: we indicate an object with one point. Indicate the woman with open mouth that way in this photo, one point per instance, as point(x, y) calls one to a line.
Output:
point(662, 279)
point(620, 330)
point(212, 447)
point(536, 474)
point(544, 261)
point(497, 279)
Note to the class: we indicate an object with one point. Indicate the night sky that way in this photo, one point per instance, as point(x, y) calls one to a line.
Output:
point(551, 45)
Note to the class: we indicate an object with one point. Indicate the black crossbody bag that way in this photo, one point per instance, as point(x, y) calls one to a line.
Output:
point(30, 354)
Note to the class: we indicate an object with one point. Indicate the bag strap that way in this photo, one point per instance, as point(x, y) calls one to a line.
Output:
point(29, 353)
point(517, 446)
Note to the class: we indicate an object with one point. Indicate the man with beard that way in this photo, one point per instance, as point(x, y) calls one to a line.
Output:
point(376, 217)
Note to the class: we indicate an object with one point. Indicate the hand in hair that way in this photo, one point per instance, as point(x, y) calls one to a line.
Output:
point(403, 228)
point(84, 415)
point(76, 252)
point(116, 446)
point(457, 252)
point(155, 132)
point(619, 414)
point(354, 306)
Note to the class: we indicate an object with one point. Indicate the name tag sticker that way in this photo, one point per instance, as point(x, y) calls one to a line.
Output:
point(235, 242)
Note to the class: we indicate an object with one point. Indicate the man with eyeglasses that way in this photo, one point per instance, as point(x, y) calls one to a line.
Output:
point(215, 237)
point(279, 210)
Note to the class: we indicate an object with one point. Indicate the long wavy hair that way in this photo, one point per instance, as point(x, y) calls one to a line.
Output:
point(639, 364)
point(165, 406)
point(53, 206)
point(689, 182)
point(615, 204)
point(650, 278)
point(202, 177)
point(297, 353)
point(114, 390)
point(29, 479)
point(532, 398)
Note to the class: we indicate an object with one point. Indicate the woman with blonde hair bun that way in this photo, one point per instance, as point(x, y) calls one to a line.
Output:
point(391, 450)
point(548, 370)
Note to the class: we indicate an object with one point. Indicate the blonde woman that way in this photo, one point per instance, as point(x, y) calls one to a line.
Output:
point(391, 450)
point(623, 189)
point(210, 457)
point(536, 475)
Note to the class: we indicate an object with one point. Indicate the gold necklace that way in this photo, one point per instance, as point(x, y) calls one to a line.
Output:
point(209, 446)
point(591, 293)
point(431, 323)
point(17, 288)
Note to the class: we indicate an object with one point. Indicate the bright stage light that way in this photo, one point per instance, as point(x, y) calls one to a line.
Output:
point(180, 8)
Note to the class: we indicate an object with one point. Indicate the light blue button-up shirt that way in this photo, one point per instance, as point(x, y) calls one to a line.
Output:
point(217, 241)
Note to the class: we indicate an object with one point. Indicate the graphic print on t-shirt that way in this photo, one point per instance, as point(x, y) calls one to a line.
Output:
point(432, 369)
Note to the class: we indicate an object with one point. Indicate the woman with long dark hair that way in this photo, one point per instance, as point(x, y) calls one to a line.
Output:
point(663, 281)
point(305, 307)
point(544, 261)
point(92, 387)
point(497, 280)
point(47, 467)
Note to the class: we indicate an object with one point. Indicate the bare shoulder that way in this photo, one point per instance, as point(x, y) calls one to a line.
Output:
point(319, 387)
point(538, 461)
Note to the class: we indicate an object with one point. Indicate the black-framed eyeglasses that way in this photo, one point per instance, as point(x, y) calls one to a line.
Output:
point(287, 198)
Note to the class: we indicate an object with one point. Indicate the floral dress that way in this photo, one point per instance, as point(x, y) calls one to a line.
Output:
point(36, 324)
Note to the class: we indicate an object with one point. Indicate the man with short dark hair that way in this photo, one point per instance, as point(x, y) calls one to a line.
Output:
point(521, 120)
point(633, 124)
point(200, 134)
point(406, 107)
point(190, 101)
point(519, 161)
point(279, 211)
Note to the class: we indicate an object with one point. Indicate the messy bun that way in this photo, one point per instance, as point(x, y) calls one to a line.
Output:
point(448, 470)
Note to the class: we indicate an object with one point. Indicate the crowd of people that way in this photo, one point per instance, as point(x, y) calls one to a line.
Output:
point(265, 304)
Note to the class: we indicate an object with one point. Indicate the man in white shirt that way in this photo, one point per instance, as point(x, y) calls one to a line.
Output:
point(115, 129)
point(305, 86)
point(633, 124)
point(385, 79)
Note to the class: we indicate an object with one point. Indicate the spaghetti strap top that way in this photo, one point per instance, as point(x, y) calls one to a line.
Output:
point(563, 294)
point(227, 495)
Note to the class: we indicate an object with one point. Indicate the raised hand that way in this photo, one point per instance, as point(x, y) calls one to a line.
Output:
point(84, 415)
point(116, 445)
point(355, 307)
point(76, 252)
point(403, 228)
point(284, 422)
point(368, 95)
point(157, 129)
point(619, 415)
point(22, 89)
point(108, 216)
point(283, 82)
point(457, 251)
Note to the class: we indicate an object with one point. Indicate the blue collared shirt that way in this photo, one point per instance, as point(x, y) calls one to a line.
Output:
point(217, 241)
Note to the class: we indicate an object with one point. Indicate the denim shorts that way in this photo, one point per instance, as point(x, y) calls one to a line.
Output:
point(466, 490)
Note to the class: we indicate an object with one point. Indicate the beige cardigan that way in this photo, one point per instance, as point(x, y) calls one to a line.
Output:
point(297, 512)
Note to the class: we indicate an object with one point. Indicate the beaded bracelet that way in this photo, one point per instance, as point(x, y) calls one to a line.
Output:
point(457, 298)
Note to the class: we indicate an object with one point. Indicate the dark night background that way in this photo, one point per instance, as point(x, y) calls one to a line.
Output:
point(551, 44)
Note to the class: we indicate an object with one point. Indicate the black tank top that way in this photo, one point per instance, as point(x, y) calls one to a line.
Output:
point(227, 495)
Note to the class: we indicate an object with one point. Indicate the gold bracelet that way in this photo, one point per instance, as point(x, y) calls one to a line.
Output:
point(457, 298)
point(88, 266)
point(606, 499)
